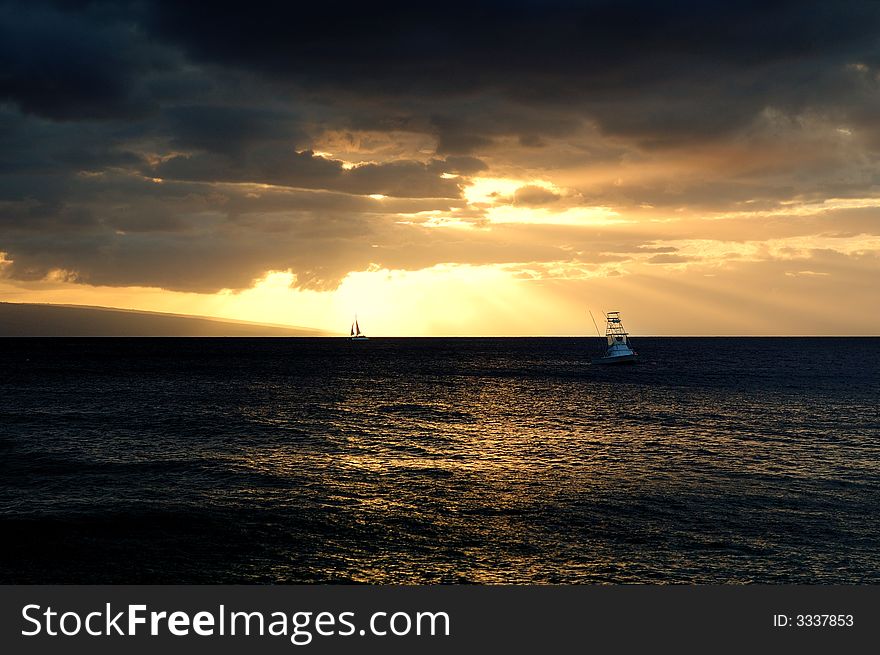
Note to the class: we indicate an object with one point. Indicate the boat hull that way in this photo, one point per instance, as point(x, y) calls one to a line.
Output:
point(359, 338)
point(617, 359)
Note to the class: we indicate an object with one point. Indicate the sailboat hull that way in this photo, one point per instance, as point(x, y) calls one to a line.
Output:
point(356, 334)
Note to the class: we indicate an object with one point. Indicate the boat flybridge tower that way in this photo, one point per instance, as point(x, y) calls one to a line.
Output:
point(618, 350)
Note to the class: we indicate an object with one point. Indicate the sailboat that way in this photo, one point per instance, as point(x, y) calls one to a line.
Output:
point(356, 334)
point(618, 350)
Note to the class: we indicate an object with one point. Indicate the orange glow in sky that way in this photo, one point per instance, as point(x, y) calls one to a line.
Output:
point(511, 240)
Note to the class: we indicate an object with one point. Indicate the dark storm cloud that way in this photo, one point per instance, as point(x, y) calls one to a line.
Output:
point(78, 63)
point(658, 70)
point(97, 98)
point(229, 130)
point(33, 147)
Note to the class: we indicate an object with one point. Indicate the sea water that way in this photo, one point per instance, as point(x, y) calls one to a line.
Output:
point(712, 460)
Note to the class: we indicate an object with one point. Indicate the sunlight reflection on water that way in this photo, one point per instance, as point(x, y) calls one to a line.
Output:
point(497, 461)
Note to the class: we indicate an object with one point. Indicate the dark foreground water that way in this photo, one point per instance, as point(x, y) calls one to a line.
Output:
point(439, 460)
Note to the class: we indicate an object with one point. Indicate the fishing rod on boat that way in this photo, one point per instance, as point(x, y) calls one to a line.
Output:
point(594, 324)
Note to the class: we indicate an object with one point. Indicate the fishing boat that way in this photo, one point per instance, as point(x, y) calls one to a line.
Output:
point(618, 350)
point(356, 334)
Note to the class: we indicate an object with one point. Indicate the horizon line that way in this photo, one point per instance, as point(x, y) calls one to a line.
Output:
point(439, 336)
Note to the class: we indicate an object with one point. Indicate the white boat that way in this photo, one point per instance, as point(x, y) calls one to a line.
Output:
point(356, 334)
point(618, 350)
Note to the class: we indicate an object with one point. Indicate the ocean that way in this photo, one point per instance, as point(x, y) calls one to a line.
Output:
point(485, 460)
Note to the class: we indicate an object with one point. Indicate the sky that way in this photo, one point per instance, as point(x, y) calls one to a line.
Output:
point(455, 168)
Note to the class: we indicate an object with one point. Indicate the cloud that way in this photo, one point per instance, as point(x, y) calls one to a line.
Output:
point(669, 259)
point(229, 130)
point(462, 165)
point(76, 64)
point(657, 72)
point(286, 167)
point(532, 195)
point(139, 147)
